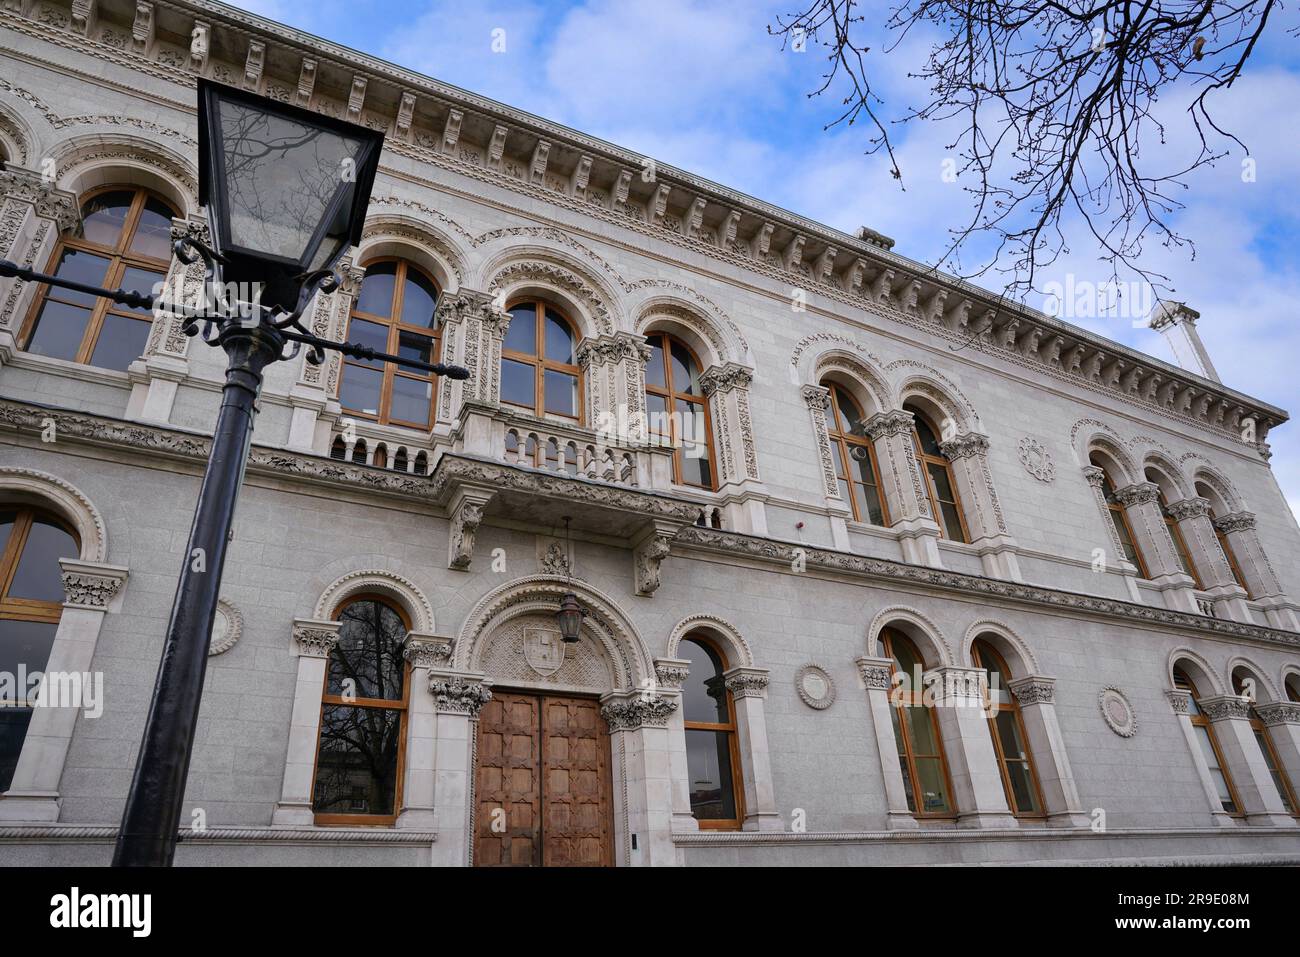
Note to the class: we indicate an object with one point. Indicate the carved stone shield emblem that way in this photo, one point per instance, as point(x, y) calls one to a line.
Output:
point(543, 650)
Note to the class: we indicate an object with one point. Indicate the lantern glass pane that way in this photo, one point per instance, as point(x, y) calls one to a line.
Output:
point(280, 178)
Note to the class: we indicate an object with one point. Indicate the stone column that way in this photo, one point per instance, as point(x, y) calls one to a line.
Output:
point(748, 687)
point(638, 727)
point(1036, 696)
point(32, 216)
point(1178, 701)
point(900, 473)
point(1141, 503)
point(744, 497)
point(1097, 480)
point(1260, 801)
point(819, 400)
point(423, 652)
point(458, 697)
point(156, 375)
point(613, 375)
point(313, 640)
point(1282, 721)
point(1193, 518)
point(969, 455)
point(473, 328)
point(314, 396)
point(669, 675)
point(978, 792)
point(89, 588)
point(875, 680)
point(1261, 579)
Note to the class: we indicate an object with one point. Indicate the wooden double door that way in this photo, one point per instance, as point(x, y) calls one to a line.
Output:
point(543, 785)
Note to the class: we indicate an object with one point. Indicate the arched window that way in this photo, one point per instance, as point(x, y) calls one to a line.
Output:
point(363, 717)
point(1265, 742)
point(1175, 533)
point(855, 459)
point(938, 477)
point(1008, 731)
point(678, 411)
point(1209, 745)
point(539, 364)
point(712, 753)
point(916, 732)
point(125, 242)
point(393, 313)
point(1205, 493)
point(1293, 688)
point(31, 602)
point(1120, 520)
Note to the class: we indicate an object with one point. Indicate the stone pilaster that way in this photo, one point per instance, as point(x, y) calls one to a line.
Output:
point(969, 457)
point(978, 792)
point(1261, 579)
point(1180, 704)
point(1141, 503)
point(1194, 524)
point(638, 726)
point(313, 641)
point(32, 216)
point(875, 675)
point(748, 687)
point(819, 400)
point(727, 389)
point(1036, 696)
point(473, 328)
point(423, 653)
point(314, 396)
point(613, 375)
point(670, 673)
point(457, 697)
point(1282, 724)
point(904, 487)
point(1256, 792)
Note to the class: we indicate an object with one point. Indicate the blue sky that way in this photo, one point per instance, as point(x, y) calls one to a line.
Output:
point(699, 84)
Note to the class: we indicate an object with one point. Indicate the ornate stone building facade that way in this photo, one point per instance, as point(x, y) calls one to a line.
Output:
point(894, 574)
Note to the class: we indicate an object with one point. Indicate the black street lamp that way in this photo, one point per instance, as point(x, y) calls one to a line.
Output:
point(286, 192)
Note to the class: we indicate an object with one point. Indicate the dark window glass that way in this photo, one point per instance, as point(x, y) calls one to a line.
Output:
point(703, 696)
point(412, 400)
point(561, 393)
point(39, 576)
point(59, 330)
point(120, 342)
point(376, 296)
point(686, 375)
point(13, 730)
point(361, 389)
point(25, 643)
point(153, 231)
point(368, 653)
point(356, 771)
point(708, 758)
point(521, 337)
point(80, 266)
point(518, 383)
point(654, 368)
point(559, 339)
point(419, 299)
point(104, 216)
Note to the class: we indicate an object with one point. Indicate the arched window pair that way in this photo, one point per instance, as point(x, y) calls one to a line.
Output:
point(920, 745)
point(858, 472)
point(124, 242)
point(31, 602)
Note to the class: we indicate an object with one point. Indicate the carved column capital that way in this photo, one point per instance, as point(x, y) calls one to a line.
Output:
point(724, 378)
point(639, 710)
point(47, 201)
point(746, 682)
point(315, 639)
point(1278, 713)
point(893, 422)
point(1139, 493)
point(426, 651)
point(90, 584)
point(458, 693)
point(1033, 689)
point(670, 673)
point(1235, 522)
point(1096, 476)
point(818, 397)
point(959, 447)
point(1179, 700)
point(874, 672)
point(1187, 508)
point(1224, 707)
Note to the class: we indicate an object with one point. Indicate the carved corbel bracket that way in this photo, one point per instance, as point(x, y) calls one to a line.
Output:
point(466, 514)
point(648, 553)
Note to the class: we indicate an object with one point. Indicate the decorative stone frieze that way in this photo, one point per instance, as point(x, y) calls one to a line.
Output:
point(458, 694)
point(643, 709)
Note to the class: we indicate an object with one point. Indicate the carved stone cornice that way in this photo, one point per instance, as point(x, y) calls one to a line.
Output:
point(458, 693)
point(1224, 707)
point(1140, 493)
point(642, 710)
point(746, 682)
point(814, 559)
point(1189, 508)
point(315, 639)
point(1278, 713)
point(894, 422)
point(1235, 522)
point(1033, 689)
point(959, 447)
point(90, 585)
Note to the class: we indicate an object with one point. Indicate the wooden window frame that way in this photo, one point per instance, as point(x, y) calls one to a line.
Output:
point(379, 704)
point(942, 461)
point(1278, 770)
point(1199, 720)
point(541, 364)
point(396, 327)
point(1117, 511)
point(901, 700)
point(671, 396)
point(733, 741)
point(993, 707)
point(120, 258)
point(843, 439)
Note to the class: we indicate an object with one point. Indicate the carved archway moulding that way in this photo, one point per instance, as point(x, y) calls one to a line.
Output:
point(740, 657)
point(625, 652)
point(406, 237)
point(895, 614)
point(1205, 670)
point(1266, 693)
point(927, 383)
point(82, 161)
point(533, 270)
point(41, 488)
point(986, 626)
point(380, 581)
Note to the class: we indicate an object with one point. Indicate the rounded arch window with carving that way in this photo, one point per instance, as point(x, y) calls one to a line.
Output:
point(856, 469)
point(916, 730)
point(1209, 743)
point(124, 242)
point(1205, 492)
point(712, 752)
point(939, 484)
point(1007, 728)
point(1119, 518)
point(31, 602)
point(1175, 533)
point(539, 361)
point(394, 312)
point(1244, 684)
point(359, 757)
point(677, 410)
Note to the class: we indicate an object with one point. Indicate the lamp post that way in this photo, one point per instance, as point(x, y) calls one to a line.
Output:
point(286, 192)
